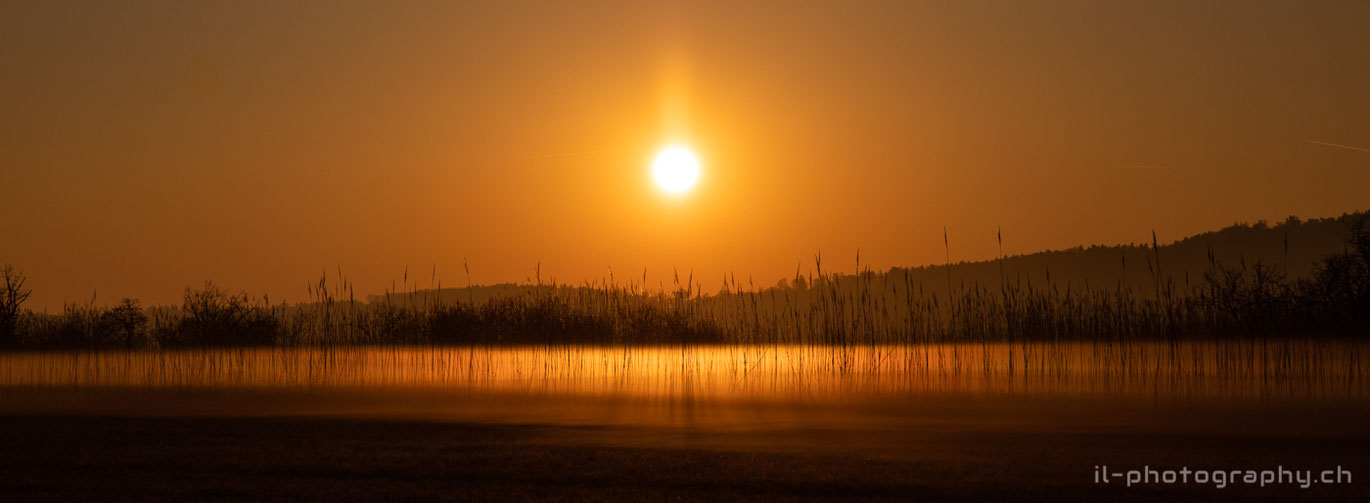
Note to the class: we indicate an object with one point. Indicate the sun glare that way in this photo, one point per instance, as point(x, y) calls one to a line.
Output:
point(675, 169)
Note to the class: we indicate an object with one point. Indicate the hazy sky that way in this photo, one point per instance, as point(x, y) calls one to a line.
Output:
point(147, 146)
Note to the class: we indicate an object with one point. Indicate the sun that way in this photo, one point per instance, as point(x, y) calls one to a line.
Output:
point(675, 169)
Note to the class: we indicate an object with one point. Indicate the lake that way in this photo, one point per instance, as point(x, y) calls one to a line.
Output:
point(1033, 421)
point(680, 385)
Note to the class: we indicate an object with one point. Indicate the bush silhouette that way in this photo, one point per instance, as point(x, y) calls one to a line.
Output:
point(212, 317)
point(125, 325)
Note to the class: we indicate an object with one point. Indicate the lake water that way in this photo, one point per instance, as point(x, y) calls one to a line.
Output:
point(732, 386)
point(1298, 370)
point(958, 417)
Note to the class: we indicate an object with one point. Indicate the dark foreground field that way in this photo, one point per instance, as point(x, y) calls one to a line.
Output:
point(95, 457)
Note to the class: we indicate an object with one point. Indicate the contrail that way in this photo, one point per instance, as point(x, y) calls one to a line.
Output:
point(1348, 147)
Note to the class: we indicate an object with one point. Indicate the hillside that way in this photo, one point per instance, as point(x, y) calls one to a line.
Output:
point(1131, 266)
point(1184, 261)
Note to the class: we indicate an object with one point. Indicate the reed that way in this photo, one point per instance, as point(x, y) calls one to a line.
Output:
point(1243, 301)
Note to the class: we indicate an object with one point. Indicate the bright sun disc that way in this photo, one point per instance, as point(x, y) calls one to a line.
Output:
point(675, 170)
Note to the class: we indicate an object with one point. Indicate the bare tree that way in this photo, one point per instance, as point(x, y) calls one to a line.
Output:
point(12, 296)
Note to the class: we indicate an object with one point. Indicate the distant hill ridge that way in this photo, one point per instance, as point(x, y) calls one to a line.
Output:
point(1183, 261)
point(1129, 266)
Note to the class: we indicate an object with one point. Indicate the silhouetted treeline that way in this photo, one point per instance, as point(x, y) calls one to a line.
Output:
point(1296, 246)
point(1221, 299)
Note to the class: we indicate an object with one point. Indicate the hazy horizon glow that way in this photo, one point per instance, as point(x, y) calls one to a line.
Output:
point(147, 146)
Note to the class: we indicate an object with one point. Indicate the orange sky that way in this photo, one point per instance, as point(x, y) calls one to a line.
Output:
point(147, 146)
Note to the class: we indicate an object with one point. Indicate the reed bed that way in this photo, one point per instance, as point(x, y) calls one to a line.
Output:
point(1252, 302)
point(1189, 371)
point(1242, 330)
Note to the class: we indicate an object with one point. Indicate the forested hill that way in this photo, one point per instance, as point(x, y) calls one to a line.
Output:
point(1130, 266)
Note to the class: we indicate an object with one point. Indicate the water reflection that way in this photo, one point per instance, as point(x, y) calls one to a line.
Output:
point(1227, 370)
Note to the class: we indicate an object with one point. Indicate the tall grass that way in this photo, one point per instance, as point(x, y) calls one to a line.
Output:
point(1231, 302)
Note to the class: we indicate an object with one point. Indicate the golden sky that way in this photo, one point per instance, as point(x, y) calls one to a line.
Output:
point(147, 146)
